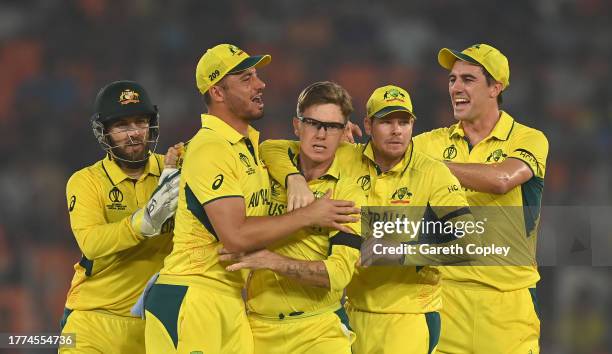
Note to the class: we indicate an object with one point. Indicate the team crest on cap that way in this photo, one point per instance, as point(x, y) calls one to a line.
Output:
point(234, 50)
point(394, 95)
point(129, 96)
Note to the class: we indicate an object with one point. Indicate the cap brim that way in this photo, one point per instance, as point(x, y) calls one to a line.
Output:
point(383, 112)
point(253, 61)
point(447, 57)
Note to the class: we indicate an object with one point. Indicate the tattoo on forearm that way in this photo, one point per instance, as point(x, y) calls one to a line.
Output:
point(314, 272)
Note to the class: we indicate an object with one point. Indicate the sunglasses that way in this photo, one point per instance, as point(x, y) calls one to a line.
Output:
point(330, 127)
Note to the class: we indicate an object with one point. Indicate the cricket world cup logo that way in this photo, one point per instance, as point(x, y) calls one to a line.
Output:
point(115, 195)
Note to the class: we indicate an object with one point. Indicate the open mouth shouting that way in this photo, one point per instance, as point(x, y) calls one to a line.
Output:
point(258, 100)
point(460, 102)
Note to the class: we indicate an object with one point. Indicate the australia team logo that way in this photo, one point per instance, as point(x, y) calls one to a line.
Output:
point(129, 96)
point(496, 156)
point(364, 182)
point(450, 152)
point(234, 50)
point(393, 95)
point(401, 196)
point(115, 197)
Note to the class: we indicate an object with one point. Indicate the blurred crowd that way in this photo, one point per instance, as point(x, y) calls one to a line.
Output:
point(55, 55)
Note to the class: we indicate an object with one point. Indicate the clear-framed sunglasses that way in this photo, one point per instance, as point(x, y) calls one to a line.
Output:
point(329, 127)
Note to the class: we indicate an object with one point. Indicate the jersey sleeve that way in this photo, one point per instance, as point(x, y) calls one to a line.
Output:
point(531, 147)
point(446, 196)
point(279, 156)
point(449, 204)
point(210, 172)
point(94, 235)
point(345, 247)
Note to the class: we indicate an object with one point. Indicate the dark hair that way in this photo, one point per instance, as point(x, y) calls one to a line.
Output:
point(207, 99)
point(323, 92)
point(491, 81)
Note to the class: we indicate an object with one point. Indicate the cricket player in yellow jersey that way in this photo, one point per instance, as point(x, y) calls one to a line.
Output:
point(392, 309)
point(501, 164)
point(118, 211)
point(196, 304)
point(294, 291)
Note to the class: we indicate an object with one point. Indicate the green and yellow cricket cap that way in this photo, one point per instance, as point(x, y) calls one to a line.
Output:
point(388, 99)
point(494, 62)
point(224, 59)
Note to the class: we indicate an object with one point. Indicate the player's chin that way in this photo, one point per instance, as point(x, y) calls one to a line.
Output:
point(256, 114)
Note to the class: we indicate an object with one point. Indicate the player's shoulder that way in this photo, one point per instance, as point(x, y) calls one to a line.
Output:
point(351, 149)
point(424, 163)
point(87, 175)
point(522, 131)
point(434, 134)
point(280, 142)
point(211, 143)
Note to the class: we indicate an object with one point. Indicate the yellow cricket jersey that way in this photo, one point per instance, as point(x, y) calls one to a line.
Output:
point(218, 163)
point(508, 139)
point(117, 261)
point(273, 295)
point(416, 181)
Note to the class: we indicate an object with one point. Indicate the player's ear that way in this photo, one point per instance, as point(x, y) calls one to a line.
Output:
point(495, 90)
point(367, 124)
point(296, 127)
point(216, 93)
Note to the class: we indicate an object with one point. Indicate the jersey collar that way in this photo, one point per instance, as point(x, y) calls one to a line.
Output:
point(501, 131)
point(116, 174)
point(333, 171)
point(226, 131)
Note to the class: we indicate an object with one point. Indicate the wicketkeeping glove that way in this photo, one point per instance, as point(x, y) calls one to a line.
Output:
point(161, 206)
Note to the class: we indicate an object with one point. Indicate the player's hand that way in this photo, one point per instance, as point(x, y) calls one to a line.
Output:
point(174, 155)
point(369, 258)
point(261, 259)
point(350, 131)
point(299, 194)
point(331, 213)
point(148, 221)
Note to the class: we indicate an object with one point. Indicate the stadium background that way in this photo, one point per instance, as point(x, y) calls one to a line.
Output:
point(55, 55)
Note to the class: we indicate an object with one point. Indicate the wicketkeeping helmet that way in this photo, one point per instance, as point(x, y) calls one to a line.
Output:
point(123, 99)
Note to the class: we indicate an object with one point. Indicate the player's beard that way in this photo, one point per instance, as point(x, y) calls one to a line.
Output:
point(131, 160)
point(243, 107)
